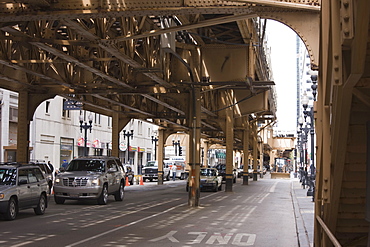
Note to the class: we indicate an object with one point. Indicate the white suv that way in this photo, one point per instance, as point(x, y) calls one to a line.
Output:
point(93, 177)
point(22, 187)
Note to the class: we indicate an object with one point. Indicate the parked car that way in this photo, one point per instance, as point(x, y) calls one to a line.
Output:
point(150, 171)
point(22, 187)
point(240, 171)
point(221, 168)
point(129, 173)
point(45, 168)
point(92, 177)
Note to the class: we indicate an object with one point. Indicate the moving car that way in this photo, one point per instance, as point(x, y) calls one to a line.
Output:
point(22, 187)
point(92, 177)
point(221, 168)
point(209, 179)
point(150, 171)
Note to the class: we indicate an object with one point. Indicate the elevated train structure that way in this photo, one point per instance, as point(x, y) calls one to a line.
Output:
point(199, 67)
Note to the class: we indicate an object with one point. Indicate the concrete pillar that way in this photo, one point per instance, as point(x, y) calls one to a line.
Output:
point(23, 128)
point(160, 154)
point(246, 153)
point(194, 147)
point(229, 149)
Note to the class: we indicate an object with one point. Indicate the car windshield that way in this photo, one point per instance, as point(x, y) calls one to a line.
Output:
point(8, 176)
point(86, 165)
point(150, 164)
point(207, 172)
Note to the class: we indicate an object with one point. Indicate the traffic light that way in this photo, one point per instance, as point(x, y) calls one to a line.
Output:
point(180, 151)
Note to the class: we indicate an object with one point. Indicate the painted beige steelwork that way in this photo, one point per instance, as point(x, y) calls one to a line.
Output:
point(343, 113)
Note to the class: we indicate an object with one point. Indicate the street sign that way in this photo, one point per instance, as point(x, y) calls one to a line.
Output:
point(72, 105)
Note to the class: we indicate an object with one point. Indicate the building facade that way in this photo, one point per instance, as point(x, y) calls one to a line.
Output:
point(56, 134)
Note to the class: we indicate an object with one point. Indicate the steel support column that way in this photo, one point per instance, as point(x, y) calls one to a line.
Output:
point(23, 128)
point(229, 149)
point(246, 152)
point(194, 147)
point(255, 151)
point(160, 155)
point(115, 134)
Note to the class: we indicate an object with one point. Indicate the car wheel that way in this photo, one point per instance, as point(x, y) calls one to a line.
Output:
point(103, 198)
point(41, 207)
point(58, 200)
point(234, 180)
point(120, 194)
point(12, 210)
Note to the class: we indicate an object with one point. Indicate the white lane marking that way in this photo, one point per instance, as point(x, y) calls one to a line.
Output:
point(135, 222)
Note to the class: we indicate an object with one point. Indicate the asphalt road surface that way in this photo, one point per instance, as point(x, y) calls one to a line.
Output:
point(258, 214)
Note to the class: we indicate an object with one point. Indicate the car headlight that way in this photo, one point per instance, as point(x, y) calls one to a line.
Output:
point(95, 181)
point(57, 180)
point(2, 195)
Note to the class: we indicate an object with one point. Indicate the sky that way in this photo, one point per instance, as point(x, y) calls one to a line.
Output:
point(282, 43)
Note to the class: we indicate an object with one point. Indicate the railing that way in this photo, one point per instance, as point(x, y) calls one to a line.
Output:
point(328, 232)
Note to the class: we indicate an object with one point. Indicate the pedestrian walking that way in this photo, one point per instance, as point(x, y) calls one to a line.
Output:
point(51, 166)
point(174, 168)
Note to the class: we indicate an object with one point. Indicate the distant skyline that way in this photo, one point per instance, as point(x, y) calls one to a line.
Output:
point(283, 49)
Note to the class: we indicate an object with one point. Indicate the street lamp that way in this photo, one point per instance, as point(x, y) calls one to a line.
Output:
point(85, 126)
point(176, 143)
point(155, 139)
point(309, 113)
point(128, 135)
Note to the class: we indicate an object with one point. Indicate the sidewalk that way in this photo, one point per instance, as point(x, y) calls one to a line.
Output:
point(302, 205)
point(304, 213)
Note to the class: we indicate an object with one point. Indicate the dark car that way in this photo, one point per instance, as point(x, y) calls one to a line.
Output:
point(46, 169)
point(221, 168)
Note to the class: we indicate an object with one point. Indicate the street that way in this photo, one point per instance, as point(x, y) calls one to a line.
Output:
point(258, 214)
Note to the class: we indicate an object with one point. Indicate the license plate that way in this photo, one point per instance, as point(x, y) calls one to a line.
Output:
point(74, 195)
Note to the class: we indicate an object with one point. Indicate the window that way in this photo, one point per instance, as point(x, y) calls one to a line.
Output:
point(47, 106)
point(13, 114)
point(140, 128)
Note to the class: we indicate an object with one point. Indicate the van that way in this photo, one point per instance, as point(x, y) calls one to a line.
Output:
point(180, 168)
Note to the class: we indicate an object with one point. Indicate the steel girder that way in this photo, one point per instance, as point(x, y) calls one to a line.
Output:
point(138, 58)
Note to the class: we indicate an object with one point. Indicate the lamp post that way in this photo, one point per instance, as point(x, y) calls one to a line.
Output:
point(176, 143)
point(85, 126)
point(309, 113)
point(128, 134)
point(155, 140)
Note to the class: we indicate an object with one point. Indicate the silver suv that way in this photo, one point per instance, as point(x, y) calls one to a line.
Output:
point(93, 177)
point(22, 187)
